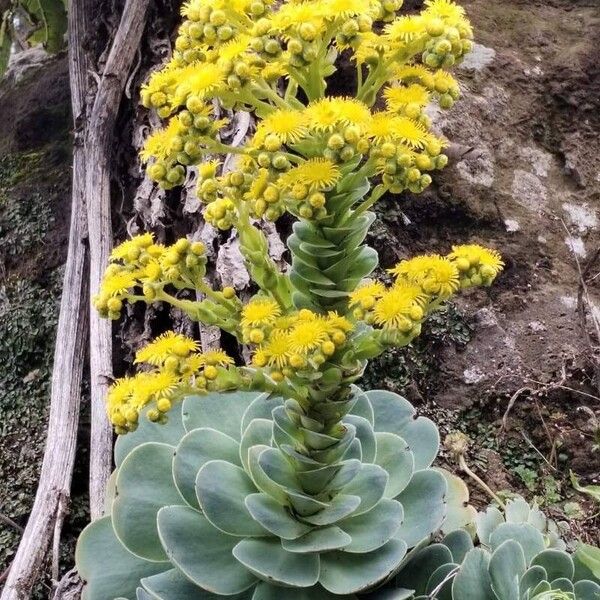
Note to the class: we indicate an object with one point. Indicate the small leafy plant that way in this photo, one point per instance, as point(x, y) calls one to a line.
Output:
point(281, 478)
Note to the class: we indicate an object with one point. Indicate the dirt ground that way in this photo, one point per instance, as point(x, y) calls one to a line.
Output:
point(524, 178)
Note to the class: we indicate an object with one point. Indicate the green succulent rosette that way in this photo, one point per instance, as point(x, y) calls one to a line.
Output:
point(244, 495)
point(519, 556)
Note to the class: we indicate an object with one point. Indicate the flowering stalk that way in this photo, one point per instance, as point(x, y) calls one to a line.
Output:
point(324, 159)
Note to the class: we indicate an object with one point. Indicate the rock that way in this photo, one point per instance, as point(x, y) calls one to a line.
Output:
point(480, 58)
point(528, 190)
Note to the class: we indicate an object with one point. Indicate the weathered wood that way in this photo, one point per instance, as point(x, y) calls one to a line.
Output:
point(98, 147)
point(69, 357)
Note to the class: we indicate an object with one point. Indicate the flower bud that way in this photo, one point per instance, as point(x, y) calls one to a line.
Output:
point(163, 405)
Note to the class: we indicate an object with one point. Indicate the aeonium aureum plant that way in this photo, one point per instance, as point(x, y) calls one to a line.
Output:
point(280, 478)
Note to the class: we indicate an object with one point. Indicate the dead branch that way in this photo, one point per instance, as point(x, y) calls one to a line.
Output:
point(59, 456)
point(98, 148)
point(8, 521)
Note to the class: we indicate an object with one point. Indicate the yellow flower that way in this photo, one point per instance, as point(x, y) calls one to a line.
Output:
point(307, 335)
point(200, 79)
point(414, 73)
point(445, 82)
point(216, 357)
point(149, 385)
point(327, 113)
point(405, 29)
point(164, 142)
point(260, 312)
point(383, 127)
point(277, 350)
point(411, 133)
point(398, 97)
point(436, 274)
point(288, 125)
point(135, 244)
point(286, 322)
point(119, 394)
point(315, 173)
point(295, 14)
point(367, 293)
point(260, 358)
point(394, 306)
point(235, 48)
point(488, 261)
point(446, 10)
point(118, 283)
point(164, 346)
point(342, 9)
point(336, 322)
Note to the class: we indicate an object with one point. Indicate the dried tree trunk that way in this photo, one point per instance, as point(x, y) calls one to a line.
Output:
point(99, 139)
point(57, 468)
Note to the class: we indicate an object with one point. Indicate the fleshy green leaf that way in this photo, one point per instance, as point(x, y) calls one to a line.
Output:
point(186, 536)
point(105, 565)
point(222, 488)
point(144, 485)
point(473, 580)
point(369, 484)
point(260, 408)
point(394, 414)
point(459, 513)
point(258, 432)
point(587, 590)
point(366, 436)
point(196, 449)
point(517, 511)
point(589, 556)
point(529, 537)
point(439, 585)
point(173, 585)
point(375, 528)
point(270, 562)
point(556, 563)
point(323, 539)
point(341, 506)
point(424, 508)
point(507, 566)
point(220, 411)
point(169, 433)
point(416, 571)
point(266, 591)
point(331, 477)
point(274, 517)
point(362, 406)
point(531, 578)
point(347, 573)
point(459, 542)
point(487, 522)
point(395, 457)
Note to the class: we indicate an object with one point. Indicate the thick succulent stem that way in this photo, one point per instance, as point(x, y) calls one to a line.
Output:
point(329, 260)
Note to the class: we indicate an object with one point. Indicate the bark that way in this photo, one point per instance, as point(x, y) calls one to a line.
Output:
point(57, 467)
point(98, 146)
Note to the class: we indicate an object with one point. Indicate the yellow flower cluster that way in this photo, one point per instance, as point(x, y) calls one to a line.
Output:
point(177, 368)
point(141, 265)
point(476, 265)
point(290, 344)
point(421, 284)
point(241, 51)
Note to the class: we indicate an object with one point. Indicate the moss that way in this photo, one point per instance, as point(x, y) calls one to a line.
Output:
point(418, 364)
point(28, 314)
